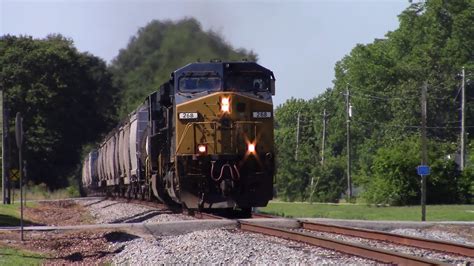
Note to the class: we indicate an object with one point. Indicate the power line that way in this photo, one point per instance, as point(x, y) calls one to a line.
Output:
point(409, 126)
point(372, 97)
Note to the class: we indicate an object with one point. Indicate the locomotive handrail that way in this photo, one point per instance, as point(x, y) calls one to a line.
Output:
point(255, 123)
point(188, 125)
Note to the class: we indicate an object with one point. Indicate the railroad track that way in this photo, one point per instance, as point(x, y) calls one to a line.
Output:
point(304, 231)
point(377, 254)
point(437, 245)
point(262, 215)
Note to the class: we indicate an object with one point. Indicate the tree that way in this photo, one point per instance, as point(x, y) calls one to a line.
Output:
point(161, 47)
point(66, 98)
point(433, 41)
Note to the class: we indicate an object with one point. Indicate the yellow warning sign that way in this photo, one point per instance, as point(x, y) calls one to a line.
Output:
point(14, 175)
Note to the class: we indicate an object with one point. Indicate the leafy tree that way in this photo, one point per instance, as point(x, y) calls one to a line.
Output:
point(393, 179)
point(329, 180)
point(66, 99)
point(160, 48)
point(294, 173)
point(433, 41)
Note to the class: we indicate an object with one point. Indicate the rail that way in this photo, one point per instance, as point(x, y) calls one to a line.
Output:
point(376, 254)
point(442, 246)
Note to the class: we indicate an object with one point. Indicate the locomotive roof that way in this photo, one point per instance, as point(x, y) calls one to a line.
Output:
point(221, 67)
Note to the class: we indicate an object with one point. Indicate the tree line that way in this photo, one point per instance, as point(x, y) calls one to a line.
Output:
point(433, 42)
point(70, 100)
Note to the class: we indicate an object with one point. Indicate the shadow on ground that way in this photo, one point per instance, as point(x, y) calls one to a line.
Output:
point(7, 220)
point(119, 237)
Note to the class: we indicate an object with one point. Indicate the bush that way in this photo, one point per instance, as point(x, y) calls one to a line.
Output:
point(73, 191)
point(393, 179)
point(329, 183)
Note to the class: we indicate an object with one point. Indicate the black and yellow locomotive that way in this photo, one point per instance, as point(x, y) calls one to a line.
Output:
point(207, 142)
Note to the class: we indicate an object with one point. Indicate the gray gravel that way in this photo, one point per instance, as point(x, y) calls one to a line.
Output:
point(220, 246)
point(425, 253)
point(204, 247)
point(108, 211)
point(434, 234)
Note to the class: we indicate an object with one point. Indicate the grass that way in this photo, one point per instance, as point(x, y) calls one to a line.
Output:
point(11, 256)
point(41, 192)
point(365, 212)
point(10, 214)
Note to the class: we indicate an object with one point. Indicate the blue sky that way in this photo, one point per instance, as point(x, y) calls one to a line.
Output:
point(299, 40)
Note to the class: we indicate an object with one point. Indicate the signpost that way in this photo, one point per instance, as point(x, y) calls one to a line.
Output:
point(423, 171)
point(19, 143)
point(6, 193)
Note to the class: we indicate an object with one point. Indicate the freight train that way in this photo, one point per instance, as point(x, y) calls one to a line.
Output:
point(204, 140)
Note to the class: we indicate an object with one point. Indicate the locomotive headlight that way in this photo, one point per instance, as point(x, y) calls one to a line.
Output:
point(225, 104)
point(202, 148)
point(251, 148)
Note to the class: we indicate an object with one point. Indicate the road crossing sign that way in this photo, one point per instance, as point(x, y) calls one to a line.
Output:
point(14, 174)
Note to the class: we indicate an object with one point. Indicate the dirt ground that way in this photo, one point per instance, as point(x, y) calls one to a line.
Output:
point(65, 247)
point(65, 212)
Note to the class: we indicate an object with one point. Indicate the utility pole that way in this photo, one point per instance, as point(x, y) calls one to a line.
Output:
point(297, 136)
point(323, 144)
point(424, 156)
point(19, 143)
point(4, 180)
point(5, 153)
point(348, 124)
point(463, 121)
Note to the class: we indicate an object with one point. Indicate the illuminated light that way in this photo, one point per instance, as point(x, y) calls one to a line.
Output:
point(225, 104)
point(225, 101)
point(251, 148)
point(202, 148)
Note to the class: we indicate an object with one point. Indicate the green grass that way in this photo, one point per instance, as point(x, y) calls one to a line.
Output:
point(10, 256)
point(365, 212)
point(10, 214)
point(40, 192)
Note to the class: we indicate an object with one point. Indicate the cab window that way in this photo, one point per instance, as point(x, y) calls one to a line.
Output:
point(199, 84)
point(247, 82)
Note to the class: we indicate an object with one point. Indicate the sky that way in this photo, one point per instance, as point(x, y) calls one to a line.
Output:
point(300, 41)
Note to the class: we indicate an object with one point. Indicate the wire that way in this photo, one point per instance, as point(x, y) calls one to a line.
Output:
point(363, 95)
point(386, 98)
point(368, 96)
point(410, 126)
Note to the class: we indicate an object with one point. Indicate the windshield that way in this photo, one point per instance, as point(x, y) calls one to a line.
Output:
point(247, 82)
point(199, 84)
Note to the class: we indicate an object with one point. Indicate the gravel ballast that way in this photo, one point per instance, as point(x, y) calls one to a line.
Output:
point(108, 211)
point(414, 251)
point(203, 247)
point(232, 246)
point(433, 234)
point(228, 247)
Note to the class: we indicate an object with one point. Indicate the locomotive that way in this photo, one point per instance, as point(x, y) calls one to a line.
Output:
point(204, 140)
